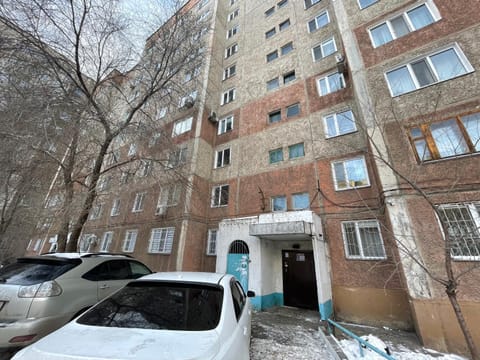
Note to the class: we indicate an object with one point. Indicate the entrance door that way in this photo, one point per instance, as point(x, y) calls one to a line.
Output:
point(237, 262)
point(299, 281)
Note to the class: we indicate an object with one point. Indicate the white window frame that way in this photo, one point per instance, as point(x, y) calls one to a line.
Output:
point(168, 197)
point(220, 156)
point(272, 203)
point(321, 46)
point(115, 211)
point(228, 96)
point(326, 77)
point(162, 112)
point(182, 126)
point(325, 12)
point(233, 31)
point(139, 202)
point(212, 242)
point(224, 123)
point(229, 71)
point(429, 5)
point(231, 50)
point(215, 203)
point(233, 14)
point(474, 212)
point(335, 116)
point(96, 212)
point(313, 2)
point(366, 6)
point(349, 187)
point(460, 55)
point(129, 241)
point(358, 239)
point(177, 157)
point(107, 239)
point(164, 243)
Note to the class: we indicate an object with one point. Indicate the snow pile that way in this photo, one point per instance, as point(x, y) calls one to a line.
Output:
point(351, 349)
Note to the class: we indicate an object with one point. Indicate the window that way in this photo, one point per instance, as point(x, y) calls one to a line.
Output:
point(310, 3)
point(104, 183)
point(363, 240)
point(448, 138)
point(274, 116)
point(146, 167)
point(272, 56)
point(231, 50)
point(284, 25)
point(132, 150)
point(129, 241)
point(162, 112)
point(321, 20)
point(106, 241)
point(463, 224)
point(270, 33)
point(229, 71)
point(182, 126)
point(411, 20)
point(350, 174)
point(177, 157)
point(270, 11)
point(125, 177)
point(339, 123)
point(203, 17)
point(300, 201)
point(279, 203)
point(293, 110)
point(366, 3)
point(228, 96)
point(282, 3)
point(276, 155)
point(212, 242)
point(285, 49)
point(273, 84)
point(96, 211)
point(328, 47)
point(233, 14)
point(238, 298)
point(441, 66)
point(289, 77)
point(138, 202)
point(161, 240)
point(222, 158)
point(168, 197)
point(225, 125)
point(296, 151)
point(220, 195)
point(233, 31)
point(115, 208)
point(330, 83)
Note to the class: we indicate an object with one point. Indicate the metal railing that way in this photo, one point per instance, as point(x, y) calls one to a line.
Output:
point(361, 343)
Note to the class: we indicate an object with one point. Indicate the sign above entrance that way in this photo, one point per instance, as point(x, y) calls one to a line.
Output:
point(299, 230)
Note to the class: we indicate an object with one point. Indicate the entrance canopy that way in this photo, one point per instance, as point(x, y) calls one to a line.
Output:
point(293, 230)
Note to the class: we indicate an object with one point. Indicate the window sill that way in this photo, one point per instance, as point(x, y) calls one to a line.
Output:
point(455, 157)
point(354, 188)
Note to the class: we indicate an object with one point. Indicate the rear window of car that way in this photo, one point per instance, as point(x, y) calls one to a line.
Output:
point(161, 306)
point(28, 271)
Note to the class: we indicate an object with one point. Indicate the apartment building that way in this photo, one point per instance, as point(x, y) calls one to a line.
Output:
point(315, 142)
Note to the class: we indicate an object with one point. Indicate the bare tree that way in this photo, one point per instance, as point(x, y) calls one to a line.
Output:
point(85, 46)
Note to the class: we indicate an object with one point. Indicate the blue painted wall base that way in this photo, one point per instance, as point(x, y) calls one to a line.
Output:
point(326, 309)
point(267, 301)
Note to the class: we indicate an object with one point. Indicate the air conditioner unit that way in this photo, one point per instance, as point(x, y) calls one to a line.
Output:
point(213, 117)
point(341, 63)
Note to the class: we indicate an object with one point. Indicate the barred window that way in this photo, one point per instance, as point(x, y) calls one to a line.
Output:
point(363, 240)
point(212, 242)
point(161, 240)
point(463, 224)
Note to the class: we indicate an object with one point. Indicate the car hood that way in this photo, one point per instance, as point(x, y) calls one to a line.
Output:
point(75, 341)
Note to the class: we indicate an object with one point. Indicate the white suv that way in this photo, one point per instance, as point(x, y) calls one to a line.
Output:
point(39, 294)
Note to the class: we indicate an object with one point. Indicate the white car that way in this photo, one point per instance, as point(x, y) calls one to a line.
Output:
point(162, 316)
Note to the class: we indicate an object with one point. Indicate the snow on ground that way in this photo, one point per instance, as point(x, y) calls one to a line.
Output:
point(352, 351)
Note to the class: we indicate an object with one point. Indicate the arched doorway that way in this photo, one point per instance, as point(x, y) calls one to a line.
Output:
point(237, 262)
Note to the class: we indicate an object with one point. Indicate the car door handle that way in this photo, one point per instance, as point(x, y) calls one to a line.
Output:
point(104, 286)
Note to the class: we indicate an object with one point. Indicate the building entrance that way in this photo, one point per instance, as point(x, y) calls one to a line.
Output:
point(299, 280)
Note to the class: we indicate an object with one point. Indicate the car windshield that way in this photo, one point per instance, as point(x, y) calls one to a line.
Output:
point(161, 306)
point(30, 271)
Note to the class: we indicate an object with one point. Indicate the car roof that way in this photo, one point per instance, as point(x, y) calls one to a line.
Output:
point(76, 255)
point(186, 276)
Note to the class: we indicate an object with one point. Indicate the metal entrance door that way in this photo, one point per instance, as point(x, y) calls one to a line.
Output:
point(299, 281)
point(237, 262)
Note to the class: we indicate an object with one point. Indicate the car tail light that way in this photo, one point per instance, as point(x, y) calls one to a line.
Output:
point(45, 289)
point(22, 338)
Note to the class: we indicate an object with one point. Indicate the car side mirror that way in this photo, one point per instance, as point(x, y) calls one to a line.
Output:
point(250, 293)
